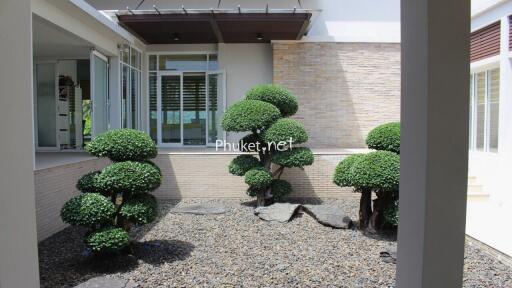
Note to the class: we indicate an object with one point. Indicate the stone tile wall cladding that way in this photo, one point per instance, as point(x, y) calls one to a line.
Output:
point(207, 176)
point(55, 186)
point(344, 89)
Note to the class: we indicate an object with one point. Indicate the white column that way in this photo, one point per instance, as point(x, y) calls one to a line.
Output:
point(434, 145)
point(18, 239)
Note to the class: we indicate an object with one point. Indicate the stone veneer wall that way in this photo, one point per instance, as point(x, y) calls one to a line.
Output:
point(344, 89)
point(55, 186)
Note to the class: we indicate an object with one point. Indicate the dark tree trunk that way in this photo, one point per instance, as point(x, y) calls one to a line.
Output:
point(365, 208)
point(377, 219)
point(260, 199)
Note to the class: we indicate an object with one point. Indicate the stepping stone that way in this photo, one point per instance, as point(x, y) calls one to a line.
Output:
point(107, 282)
point(329, 215)
point(280, 212)
point(200, 209)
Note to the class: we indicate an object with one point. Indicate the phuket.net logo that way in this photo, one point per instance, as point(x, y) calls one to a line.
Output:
point(242, 146)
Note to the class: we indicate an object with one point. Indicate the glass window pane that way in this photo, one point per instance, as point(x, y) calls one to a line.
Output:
point(100, 96)
point(494, 109)
point(152, 62)
point(213, 63)
point(125, 53)
point(480, 110)
point(134, 96)
point(183, 62)
point(194, 109)
point(124, 96)
point(215, 107)
point(134, 58)
point(152, 106)
point(45, 101)
point(171, 106)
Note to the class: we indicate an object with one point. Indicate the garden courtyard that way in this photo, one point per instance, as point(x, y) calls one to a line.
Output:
point(238, 249)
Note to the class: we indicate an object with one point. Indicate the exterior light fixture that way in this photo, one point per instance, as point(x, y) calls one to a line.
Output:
point(175, 37)
point(259, 36)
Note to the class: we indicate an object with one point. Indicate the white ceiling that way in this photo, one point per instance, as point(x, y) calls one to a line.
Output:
point(51, 41)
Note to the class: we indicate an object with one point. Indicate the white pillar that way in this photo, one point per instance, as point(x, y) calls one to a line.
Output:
point(434, 145)
point(18, 239)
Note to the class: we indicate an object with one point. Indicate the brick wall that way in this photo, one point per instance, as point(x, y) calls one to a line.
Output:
point(54, 187)
point(206, 175)
point(344, 89)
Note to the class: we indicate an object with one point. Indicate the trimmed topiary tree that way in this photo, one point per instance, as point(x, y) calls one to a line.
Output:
point(264, 113)
point(116, 197)
point(377, 172)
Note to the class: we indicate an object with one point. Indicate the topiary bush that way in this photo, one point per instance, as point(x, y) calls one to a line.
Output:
point(243, 163)
point(385, 137)
point(263, 113)
point(123, 145)
point(377, 172)
point(108, 240)
point(278, 96)
point(126, 183)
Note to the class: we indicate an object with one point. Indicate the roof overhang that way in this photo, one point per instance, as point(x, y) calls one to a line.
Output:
point(216, 25)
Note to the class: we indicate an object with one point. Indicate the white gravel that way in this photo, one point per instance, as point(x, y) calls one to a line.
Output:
point(237, 249)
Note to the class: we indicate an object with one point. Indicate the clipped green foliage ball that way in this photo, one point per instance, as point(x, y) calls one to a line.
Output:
point(385, 137)
point(378, 170)
point(258, 178)
point(285, 129)
point(88, 209)
point(123, 145)
point(243, 163)
point(391, 213)
point(140, 209)
point(276, 95)
point(295, 157)
point(342, 173)
point(109, 239)
point(249, 115)
point(129, 176)
point(280, 189)
point(88, 183)
point(255, 140)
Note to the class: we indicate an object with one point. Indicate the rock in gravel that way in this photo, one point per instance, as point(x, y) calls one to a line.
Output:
point(107, 282)
point(200, 209)
point(389, 255)
point(329, 215)
point(280, 212)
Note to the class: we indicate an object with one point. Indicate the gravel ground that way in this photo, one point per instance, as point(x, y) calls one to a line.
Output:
point(237, 249)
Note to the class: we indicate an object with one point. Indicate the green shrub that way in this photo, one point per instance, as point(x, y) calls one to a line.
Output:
point(140, 209)
point(110, 239)
point(378, 170)
point(385, 137)
point(129, 176)
point(251, 139)
point(278, 96)
point(88, 183)
point(243, 163)
point(249, 115)
point(258, 178)
point(342, 173)
point(284, 129)
point(89, 209)
point(280, 189)
point(296, 157)
point(123, 145)
point(391, 213)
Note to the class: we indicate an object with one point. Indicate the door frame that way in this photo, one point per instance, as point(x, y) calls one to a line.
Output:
point(224, 102)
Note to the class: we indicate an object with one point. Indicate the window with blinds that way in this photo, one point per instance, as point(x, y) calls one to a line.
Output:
point(484, 110)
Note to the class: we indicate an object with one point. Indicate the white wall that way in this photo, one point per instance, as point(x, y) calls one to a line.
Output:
point(246, 65)
point(18, 245)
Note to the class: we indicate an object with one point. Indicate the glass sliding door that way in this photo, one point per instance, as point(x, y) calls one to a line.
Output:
point(194, 109)
point(99, 88)
point(46, 105)
point(216, 106)
point(169, 105)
